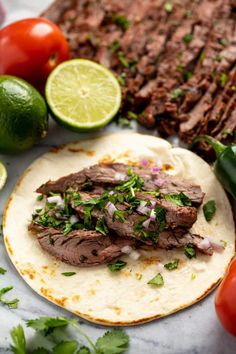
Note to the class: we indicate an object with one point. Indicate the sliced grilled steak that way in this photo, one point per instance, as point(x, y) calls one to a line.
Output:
point(155, 51)
point(169, 240)
point(112, 174)
point(83, 248)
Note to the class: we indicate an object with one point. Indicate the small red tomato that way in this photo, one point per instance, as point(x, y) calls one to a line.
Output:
point(225, 301)
point(31, 49)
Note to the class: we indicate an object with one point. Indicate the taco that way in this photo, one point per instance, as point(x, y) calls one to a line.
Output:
point(120, 229)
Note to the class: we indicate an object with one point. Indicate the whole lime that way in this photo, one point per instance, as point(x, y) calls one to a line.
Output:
point(23, 115)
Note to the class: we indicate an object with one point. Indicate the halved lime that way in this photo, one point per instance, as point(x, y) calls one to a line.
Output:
point(3, 175)
point(82, 94)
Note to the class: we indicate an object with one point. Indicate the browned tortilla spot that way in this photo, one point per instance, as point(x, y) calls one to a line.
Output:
point(86, 152)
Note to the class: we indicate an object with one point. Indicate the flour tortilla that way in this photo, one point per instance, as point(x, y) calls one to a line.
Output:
point(122, 298)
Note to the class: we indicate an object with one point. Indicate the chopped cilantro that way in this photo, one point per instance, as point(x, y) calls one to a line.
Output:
point(168, 6)
point(115, 46)
point(224, 243)
point(101, 227)
point(157, 280)
point(187, 38)
point(122, 79)
point(119, 215)
point(223, 42)
point(189, 251)
point(122, 59)
point(134, 181)
point(76, 197)
point(2, 270)
point(132, 115)
point(121, 21)
point(172, 265)
point(180, 199)
point(193, 276)
point(176, 93)
point(124, 122)
point(67, 228)
point(88, 216)
point(40, 197)
point(161, 218)
point(223, 79)
point(12, 304)
point(187, 75)
point(116, 266)
point(180, 67)
point(209, 210)
point(68, 274)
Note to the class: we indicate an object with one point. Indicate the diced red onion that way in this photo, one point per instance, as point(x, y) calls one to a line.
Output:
point(73, 219)
point(217, 246)
point(120, 176)
point(156, 169)
point(146, 223)
point(144, 162)
point(159, 182)
point(153, 215)
point(204, 244)
point(134, 255)
point(142, 208)
point(127, 249)
point(111, 208)
point(57, 199)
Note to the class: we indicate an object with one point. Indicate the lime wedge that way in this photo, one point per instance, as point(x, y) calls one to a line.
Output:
point(82, 94)
point(3, 175)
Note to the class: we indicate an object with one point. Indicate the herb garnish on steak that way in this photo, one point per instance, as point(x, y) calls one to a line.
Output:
point(84, 225)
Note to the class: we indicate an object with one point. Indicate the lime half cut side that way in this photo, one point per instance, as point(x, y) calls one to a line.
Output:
point(82, 94)
point(3, 175)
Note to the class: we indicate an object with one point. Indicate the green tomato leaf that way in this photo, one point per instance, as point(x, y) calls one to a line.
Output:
point(115, 341)
point(18, 339)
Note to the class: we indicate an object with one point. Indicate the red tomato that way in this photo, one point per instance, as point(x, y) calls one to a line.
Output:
point(31, 49)
point(225, 301)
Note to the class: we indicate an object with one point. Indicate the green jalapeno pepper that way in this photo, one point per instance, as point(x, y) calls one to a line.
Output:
point(225, 164)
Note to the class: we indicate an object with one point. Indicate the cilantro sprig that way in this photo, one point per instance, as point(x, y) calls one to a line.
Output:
point(115, 341)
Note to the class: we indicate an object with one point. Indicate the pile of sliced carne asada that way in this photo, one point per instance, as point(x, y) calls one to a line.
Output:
point(175, 59)
point(102, 212)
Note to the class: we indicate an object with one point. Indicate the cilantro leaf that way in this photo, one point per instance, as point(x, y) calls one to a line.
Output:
point(176, 93)
point(68, 347)
point(67, 228)
point(84, 350)
point(119, 215)
point(172, 265)
point(12, 304)
point(179, 199)
point(2, 270)
point(18, 339)
point(157, 280)
point(189, 251)
point(47, 324)
point(40, 351)
point(124, 122)
point(161, 218)
point(121, 21)
point(101, 227)
point(116, 266)
point(209, 210)
point(187, 38)
point(68, 274)
point(115, 341)
point(39, 197)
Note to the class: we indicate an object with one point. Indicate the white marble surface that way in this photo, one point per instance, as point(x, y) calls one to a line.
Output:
point(195, 330)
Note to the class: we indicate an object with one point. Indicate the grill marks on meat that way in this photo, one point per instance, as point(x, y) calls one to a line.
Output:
point(83, 248)
point(110, 175)
point(161, 59)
